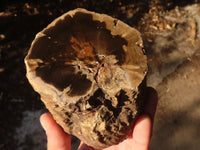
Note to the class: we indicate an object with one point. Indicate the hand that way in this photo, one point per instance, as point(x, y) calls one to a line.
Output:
point(57, 139)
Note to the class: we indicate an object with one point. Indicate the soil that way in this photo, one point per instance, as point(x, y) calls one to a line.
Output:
point(177, 119)
point(170, 30)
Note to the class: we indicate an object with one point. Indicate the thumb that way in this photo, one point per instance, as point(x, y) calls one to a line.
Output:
point(57, 139)
point(142, 133)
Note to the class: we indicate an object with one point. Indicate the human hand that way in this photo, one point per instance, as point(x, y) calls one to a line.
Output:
point(57, 139)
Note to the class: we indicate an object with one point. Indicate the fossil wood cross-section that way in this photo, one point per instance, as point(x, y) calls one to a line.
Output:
point(90, 70)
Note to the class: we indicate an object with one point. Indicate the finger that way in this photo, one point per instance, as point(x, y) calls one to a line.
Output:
point(151, 102)
point(142, 133)
point(57, 139)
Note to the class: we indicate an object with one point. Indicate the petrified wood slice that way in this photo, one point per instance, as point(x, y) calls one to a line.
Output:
point(89, 69)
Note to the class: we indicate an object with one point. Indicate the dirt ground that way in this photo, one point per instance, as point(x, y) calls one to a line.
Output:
point(170, 30)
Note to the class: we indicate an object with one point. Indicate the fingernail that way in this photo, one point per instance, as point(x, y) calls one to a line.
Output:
point(43, 123)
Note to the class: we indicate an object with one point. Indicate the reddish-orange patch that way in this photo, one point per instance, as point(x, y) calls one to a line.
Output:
point(84, 49)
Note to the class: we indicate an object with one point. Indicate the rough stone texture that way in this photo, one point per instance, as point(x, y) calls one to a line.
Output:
point(89, 69)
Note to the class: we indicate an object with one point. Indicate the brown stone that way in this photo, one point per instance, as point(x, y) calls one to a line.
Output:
point(89, 69)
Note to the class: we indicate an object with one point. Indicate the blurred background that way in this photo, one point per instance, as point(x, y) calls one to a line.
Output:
point(171, 33)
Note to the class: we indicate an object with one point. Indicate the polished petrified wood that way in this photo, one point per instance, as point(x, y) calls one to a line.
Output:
point(89, 69)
